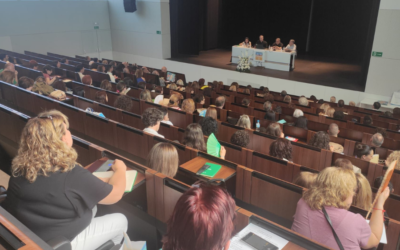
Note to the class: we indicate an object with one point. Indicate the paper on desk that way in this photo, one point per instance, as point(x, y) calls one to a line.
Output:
point(238, 244)
point(383, 238)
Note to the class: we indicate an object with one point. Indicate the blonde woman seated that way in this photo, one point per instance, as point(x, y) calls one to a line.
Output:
point(363, 198)
point(163, 158)
point(172, 86)
point(54, 196)
point(212, 112)
point(145, 95)
point(174, 102)
point(232, 88)
point(324, 107)
point(180, 85)
point(394, 156)
point(188, 106)
point(244, 122)
point(333, 191)
point(330, 112)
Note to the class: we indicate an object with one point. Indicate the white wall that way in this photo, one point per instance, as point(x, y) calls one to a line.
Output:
point(64, 27)
point(136, 33)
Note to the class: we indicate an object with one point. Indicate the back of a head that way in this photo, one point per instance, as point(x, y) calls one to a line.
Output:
point(301, 122)
point(320, 140)
point(163, 158)
point(128, 81)
point(377, 140)
point(7, 76)
point(188, 106)
point(123, 102)
point(287, 99)
point(87, 79)
point(240, 138)
point(281, 148)
point(361, 149)
point(32, 64)
point(78, 67)
point(396, 111)
point(100, 97)
point(330, 182)
point(274, 129)
point(194, 137)
point(367, 120)
point(305, 179)
point(330, 112)
point(203, 218)
point(267, 106)
point(283, 93)
point(333, 99)
point(145, 95)
point(209, 126)
point(174, 101)
point(121, 86)
point(25, 82)
point(388, 114)
point(377, 105)
point(324, 107)
point(313, 98)
point(220, 101)
point(333, 129)
point(344, 163)
point(106, 85)
point(351, 103)
point(151, 117)
point(297, 113)
point(232, 88)
point(269, 98)
point(338, 114)
point(245, 102)
point(340, 103)
point(198, 98)
point(244, 122)
point(394, 156)
point(207, 92)
point(303, 101)
point(363, 197)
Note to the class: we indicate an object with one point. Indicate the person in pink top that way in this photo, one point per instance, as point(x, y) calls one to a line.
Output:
point(333, 190)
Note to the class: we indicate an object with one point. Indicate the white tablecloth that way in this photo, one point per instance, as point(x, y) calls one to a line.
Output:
point(278, 60)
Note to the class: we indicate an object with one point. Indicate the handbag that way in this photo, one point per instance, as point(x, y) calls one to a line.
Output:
point(58, 95)
point(333, 230)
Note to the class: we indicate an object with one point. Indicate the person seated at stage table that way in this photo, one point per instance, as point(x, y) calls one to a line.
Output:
point(333, 192)
point(51, 194)
point(291, 47)
point(163, 158)
point(240, 138)
point(277, 44)
point(246, 43)
point(282, 149)
point(262, 42)
point(194, 137)
point(151, 119)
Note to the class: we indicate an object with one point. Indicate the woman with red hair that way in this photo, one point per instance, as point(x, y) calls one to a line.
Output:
point(202, 219)
point(87, 79)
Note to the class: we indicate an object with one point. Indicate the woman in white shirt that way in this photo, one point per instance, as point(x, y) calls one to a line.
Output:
point(109, 70)
point(291, 46)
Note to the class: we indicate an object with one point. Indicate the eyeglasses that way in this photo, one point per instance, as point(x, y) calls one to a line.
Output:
point(48, 117)
point(214, 182)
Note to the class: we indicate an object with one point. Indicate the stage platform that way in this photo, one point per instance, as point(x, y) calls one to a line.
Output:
point(309, 69)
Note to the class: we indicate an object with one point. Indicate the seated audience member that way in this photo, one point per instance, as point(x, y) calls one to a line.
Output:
point(351, 103)
point(7, 76)
point(394, 156)
point(324, 107)
point(305, 179)
point(212, 112)
point(368, 120)
point(378, 182)
point(363, 197)
point(56, 64)
point(333, 99)
point(123, 102)
point(232, 88)
point(194, 137)
point(101, 68)
point(303, 101)
point(240, 138)
point(80, 69)
point(101, 97)
point(287, 99)
point(145, 95)
point(363, 152)
point(109, 70)
point(106, 85)
point(87, 80)
point(47, 71)
point(381, 131)
point(160, 94)
point(199, 98)
point(246, 102)
point(54, 196)
point(346, 164)
point(165, 120)
point(338, 115)
point(155, 72)
point(282, 149)
point(244, 122)
point(396, 111)
point(41, 87)
point(145, 70)
point(172, 86)
point(207, 92)
point(104, 62)
point(330, 112)
point(301, 122)
point(377, 140)
point(388, 114)
point(151, 119)
point(377, 105)
point(60, 85)
point(195, 85)
point(334, 131)
point(174, 102)
point(270, 114)
point(269, 98)
point(4, 57)
point(188, 106)
point(10, 67)
point(247, 91)
point(163, 158)
point(33, 64)
point(321, 101)
point(297, 113)
point(203, 218)
point(313, 98)
point(128, 81)
point(26, 83)
point(278, 109)
point(333, 191)
point(64, 60)
point(220, 102)
point(93, 67)
point(283, 93)
point(181, 85)
point(275, 130)
point(209, 126)
point(164, 69)
point(320, 140)
point(121, 88)
point(340, 103)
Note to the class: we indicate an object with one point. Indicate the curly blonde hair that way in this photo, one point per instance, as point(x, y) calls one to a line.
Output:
point(331, 188)
point(41, 149)
point(363, 198)
point(395, 155)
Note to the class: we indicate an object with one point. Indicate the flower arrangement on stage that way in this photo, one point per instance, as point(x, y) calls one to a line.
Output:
point(244, 64)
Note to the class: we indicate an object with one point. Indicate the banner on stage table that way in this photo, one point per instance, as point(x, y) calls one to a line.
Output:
point(259, 56)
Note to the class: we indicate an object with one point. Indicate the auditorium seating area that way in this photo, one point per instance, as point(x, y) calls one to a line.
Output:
point(262, 185)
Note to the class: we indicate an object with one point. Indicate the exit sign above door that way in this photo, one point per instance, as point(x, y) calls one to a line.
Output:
point(377, 54)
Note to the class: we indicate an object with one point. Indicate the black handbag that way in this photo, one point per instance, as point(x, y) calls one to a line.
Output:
point(333, 230)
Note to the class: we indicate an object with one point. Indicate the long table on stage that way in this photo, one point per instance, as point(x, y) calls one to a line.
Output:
point(279, 60)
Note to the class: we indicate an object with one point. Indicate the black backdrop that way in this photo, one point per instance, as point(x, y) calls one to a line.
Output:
point(339, 29)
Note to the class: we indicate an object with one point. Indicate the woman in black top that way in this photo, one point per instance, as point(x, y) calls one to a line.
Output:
point(53, 195)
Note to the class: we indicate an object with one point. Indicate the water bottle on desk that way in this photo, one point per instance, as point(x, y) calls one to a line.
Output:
point(258, 126)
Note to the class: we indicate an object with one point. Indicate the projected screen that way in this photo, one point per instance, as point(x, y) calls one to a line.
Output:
point(171, 77)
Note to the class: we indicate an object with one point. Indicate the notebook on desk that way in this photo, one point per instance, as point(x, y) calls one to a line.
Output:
point(130, 178)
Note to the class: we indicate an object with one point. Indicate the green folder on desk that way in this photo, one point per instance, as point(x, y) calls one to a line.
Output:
point(212, 170)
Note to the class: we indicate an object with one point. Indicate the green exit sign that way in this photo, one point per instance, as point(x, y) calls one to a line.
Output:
point(158, 32)
point(96, 27)
point(377, 54)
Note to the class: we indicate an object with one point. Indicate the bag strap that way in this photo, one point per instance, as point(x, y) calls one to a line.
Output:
point(333, 230)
